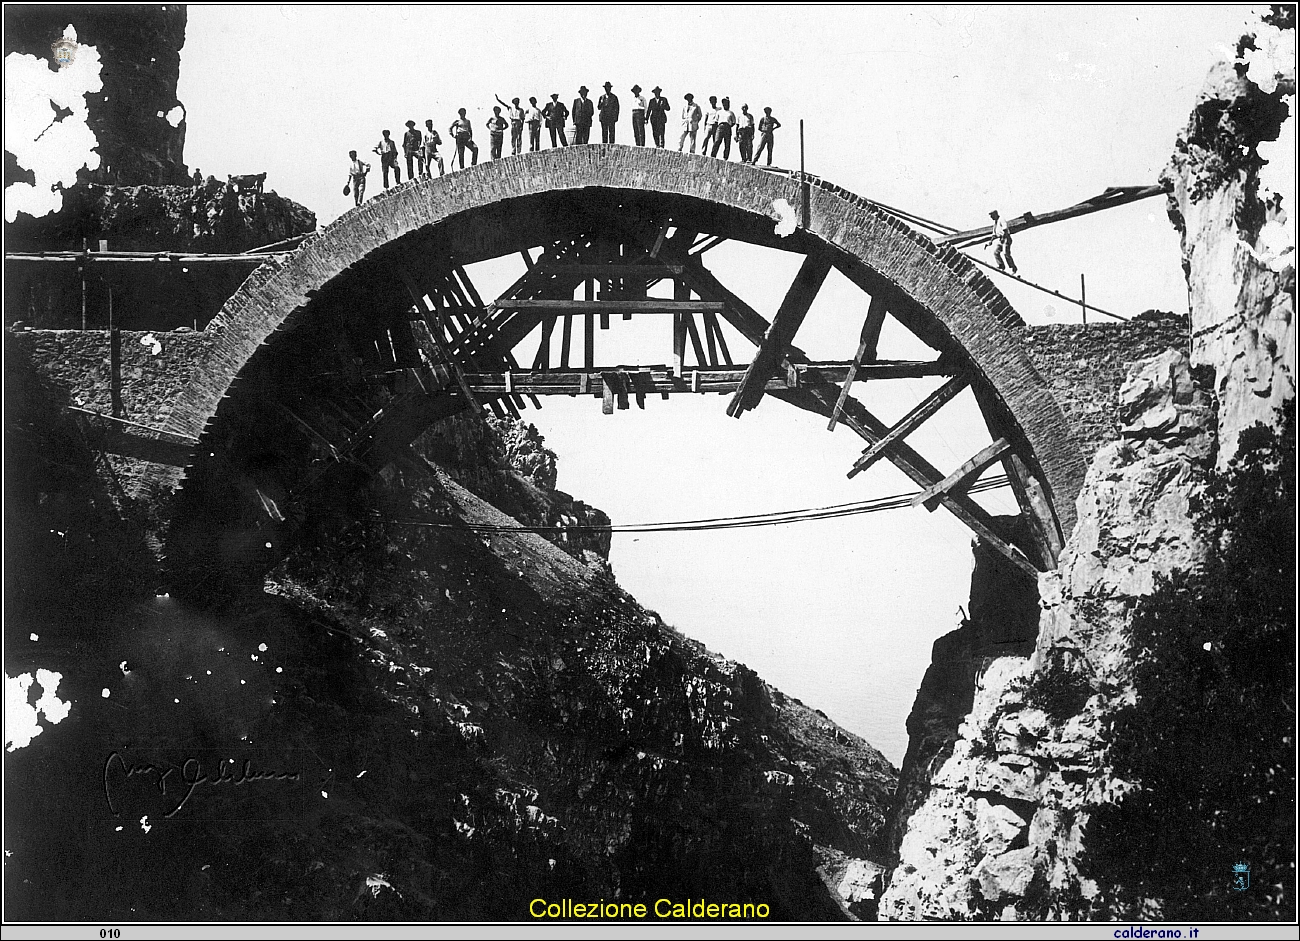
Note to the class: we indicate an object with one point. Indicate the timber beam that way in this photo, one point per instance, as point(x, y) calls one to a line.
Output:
point(780, 333)
point(909, 422)
point(665, 379)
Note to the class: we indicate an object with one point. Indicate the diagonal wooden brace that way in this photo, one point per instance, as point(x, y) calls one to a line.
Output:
point(780, 334)
point(909, 423)
point(958, 480)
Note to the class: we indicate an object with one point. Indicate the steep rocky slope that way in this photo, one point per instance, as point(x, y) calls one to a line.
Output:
point(467, 720)
point(1146, 747)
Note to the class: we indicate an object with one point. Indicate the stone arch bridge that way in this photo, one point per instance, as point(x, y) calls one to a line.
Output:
point(339, 355)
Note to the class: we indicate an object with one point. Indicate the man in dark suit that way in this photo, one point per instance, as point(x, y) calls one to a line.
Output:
point(608, 108)
point(657, 113)
point(556, 114)
point(584, 109)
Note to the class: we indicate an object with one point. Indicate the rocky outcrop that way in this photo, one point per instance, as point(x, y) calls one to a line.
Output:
point(1005, 811)
point(1046, 781)
point(507, 463)
point(139, 47)
point(217, 217)
point(1238, 242)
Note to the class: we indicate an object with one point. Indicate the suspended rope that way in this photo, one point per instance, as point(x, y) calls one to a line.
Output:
point(1064, 297)
point(780, 518)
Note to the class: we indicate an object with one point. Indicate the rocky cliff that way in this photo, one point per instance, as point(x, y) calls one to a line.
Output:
point(1141, 757)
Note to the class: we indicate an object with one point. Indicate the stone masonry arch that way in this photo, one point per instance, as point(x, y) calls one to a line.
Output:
point(378, 257)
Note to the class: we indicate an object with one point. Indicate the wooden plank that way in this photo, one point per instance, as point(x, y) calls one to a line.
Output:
point(647, 306)
point(437, 352)
point(867, 343)
point(665, 378)
point(1114, 196)
point(778, 337)
point(1035, 508)
point(566, 341)
point(527, 257)
point(589, 328)
point(961, 478)
point(821, 397)
point(542, 360)
point(714, 329)
point(650, 270)
point(910, 422)
point(659, 239)
point(607, 394)
point(694, 333)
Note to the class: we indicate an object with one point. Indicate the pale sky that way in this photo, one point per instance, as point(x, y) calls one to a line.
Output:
point(944, 111)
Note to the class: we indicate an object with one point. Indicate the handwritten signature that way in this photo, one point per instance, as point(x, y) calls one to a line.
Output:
point(188, 776)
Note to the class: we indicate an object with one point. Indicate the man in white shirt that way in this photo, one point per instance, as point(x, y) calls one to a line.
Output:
point(722, 129)
point(638, 116)
point(710, 123)
point(533, 118)
point(516, 124)
point(357, 171)
point(690, 122)
point(1002, 249)
point(387, 150)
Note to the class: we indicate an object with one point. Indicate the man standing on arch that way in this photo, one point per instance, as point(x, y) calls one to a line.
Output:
point(583, 112)
point(556, 114)
point(534, 119)
point(690, 122)
point(412, 147)
point(608, 108)
point(462, 132)
point(657, 112)
point(638, 116)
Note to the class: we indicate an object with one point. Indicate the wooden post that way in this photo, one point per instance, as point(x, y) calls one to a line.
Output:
point(1083, 299)
point(566, 340)
point(589, 327)
point(866, 352)
point(114, 360)
point(806, 190)
point(84, 262)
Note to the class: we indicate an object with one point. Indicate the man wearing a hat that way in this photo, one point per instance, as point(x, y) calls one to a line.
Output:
point(556, 114)
point(533, 116)
point(1002, 249)
point(638, 116)
point(745, 134)
point(413, 148)
point(387, 150)
point(657, 112)
point(608, 108)
point(690, 122)
point(583, 111)
point(722, 129)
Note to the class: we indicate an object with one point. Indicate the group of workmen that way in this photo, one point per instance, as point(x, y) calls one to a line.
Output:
point(720, 125)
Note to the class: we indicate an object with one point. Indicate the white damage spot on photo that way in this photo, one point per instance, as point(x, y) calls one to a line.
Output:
point(21, 725)
point(46, 129)
point(787, 220)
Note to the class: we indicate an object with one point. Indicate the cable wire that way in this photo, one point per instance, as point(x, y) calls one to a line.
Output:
point(777, 518)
